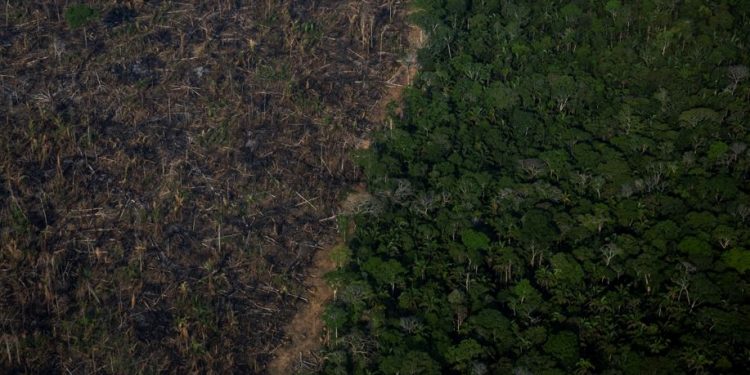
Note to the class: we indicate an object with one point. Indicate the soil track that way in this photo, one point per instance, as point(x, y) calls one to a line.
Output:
point(305, 332)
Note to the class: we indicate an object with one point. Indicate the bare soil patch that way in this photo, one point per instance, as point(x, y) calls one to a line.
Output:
point(401, 78)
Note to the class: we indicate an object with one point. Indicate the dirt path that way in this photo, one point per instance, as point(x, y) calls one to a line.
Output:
point(305, 331)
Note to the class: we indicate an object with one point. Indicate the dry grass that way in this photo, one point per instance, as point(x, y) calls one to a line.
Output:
point(165, 178)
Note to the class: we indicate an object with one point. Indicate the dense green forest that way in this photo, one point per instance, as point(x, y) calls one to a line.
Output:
point(566, 192)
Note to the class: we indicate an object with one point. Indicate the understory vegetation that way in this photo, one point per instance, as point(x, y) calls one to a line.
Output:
point(565, 192)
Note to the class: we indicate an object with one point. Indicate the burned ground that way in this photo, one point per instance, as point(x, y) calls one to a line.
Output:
point(166, 172)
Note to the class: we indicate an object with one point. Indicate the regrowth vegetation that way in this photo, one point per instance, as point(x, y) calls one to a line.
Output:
point(80, 15)
point(565, 192)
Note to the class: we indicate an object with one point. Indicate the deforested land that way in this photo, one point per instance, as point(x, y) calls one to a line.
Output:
point(168, 171)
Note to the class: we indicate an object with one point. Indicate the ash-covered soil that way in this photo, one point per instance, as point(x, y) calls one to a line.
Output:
point(168, 170)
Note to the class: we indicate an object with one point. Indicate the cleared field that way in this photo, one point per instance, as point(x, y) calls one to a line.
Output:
point(168, 171)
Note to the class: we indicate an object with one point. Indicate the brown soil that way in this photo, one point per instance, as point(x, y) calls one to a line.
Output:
point(305, 332)
point(402, 78)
